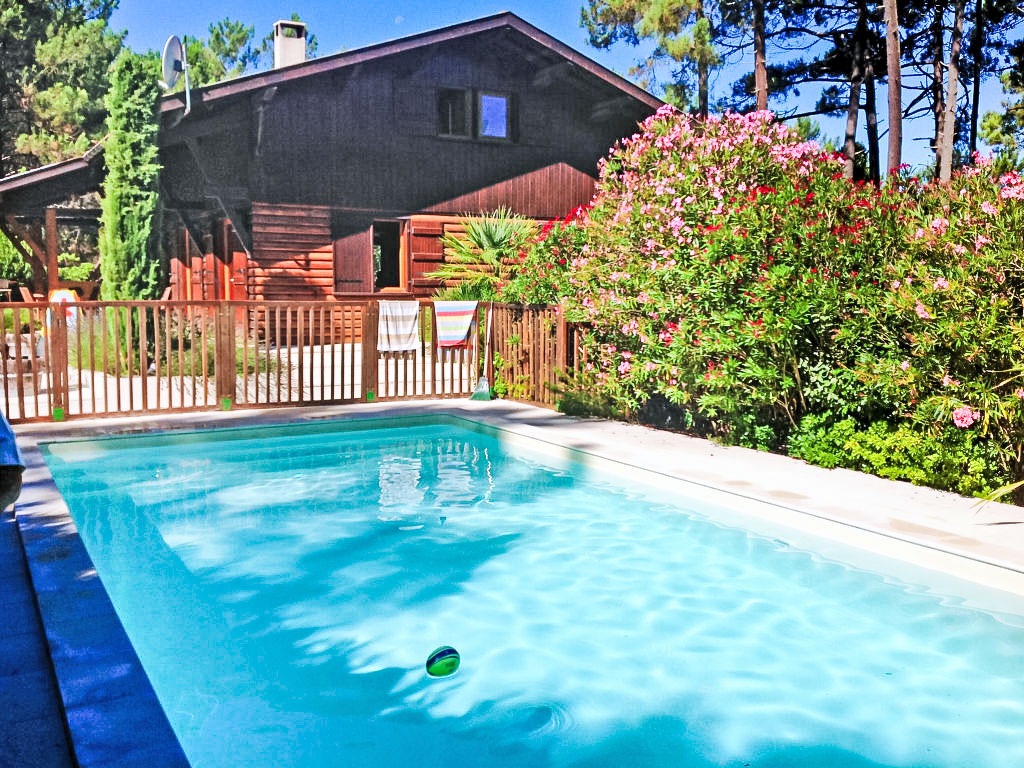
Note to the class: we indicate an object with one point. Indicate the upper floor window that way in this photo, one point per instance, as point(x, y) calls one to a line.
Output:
point(463, 113)
point(494, 116)
point(453, 112)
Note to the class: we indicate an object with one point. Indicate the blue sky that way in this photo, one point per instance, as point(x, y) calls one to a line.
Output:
point(354, 23)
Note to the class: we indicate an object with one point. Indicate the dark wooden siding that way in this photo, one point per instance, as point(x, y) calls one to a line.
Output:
point(310, 163)
point(366, 139)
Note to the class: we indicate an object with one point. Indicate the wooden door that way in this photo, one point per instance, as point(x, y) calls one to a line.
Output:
point(353, 259)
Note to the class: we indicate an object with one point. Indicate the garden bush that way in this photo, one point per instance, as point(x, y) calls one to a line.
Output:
point(728, 267)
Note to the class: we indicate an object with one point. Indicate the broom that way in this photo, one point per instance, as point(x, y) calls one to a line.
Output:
point(483, 387)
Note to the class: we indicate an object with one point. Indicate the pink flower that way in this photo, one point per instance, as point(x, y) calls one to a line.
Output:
point(940, 284)
point(650, 366)
point(665, 110)
point(963, 416)
point(1013, 186)
point(624, 367)
point(939, 225)
point(905, 365)
point(988, 208)
point(921, 311)
point(949, 381)
point(896, 285)
point(1019, 393)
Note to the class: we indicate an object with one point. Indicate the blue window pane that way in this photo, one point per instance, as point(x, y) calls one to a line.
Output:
point(494, 116)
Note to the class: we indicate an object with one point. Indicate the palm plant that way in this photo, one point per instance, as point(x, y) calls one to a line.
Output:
point(483, 258)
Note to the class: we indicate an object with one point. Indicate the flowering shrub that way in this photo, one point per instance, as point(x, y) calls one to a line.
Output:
point(718, 271)
point(955, 310)
point(544, 264)
point(727, 267)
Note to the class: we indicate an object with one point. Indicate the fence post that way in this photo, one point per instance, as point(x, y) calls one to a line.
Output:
point(562, 343)
point(58, 362)
point(370, 356)
point(488, 367)
point(225, 365)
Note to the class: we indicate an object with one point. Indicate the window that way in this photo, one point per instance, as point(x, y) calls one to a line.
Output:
point(494, 116)
point(453, 112)
point(468, 114)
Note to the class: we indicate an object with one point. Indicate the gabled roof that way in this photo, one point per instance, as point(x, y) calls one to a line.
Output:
point(35, 189)
point(381, 50)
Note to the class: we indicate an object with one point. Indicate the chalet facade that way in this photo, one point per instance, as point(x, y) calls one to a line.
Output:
point(337, 177)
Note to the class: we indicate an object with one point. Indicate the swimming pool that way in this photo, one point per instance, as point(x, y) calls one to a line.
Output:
point(283, 588)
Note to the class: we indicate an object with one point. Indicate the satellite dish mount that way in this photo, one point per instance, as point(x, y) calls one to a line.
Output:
point(173, 64)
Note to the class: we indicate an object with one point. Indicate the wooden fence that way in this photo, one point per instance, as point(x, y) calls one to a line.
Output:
point(533, 348)
point(107, 358)
point(62, 361)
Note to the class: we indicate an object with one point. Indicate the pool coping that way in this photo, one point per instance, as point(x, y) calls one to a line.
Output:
point(114, 717)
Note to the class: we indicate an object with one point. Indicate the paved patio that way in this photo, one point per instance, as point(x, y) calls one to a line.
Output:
point(879, 524)
point(32, 726)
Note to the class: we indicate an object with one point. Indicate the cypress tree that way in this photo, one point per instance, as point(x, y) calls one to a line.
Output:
point(131, 263)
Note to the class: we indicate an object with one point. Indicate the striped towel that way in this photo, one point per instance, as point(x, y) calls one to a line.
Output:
point(453, 321)
point(398, 326)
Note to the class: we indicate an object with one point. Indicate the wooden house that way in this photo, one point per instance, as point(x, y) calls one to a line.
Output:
point(336, 177)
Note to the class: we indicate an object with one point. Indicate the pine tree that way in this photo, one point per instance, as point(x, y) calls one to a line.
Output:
point(681, 30)
point(131, 263)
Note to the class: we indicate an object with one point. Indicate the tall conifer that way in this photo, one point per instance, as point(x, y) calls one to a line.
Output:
point(131, 263)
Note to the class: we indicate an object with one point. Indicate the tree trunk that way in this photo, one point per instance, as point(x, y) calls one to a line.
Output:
point(760, 60)
point(938, 62)
point(953, 73)
point(3, 114)
point(856, 76)
point(702, 74)
point(977, 44)
point(871, 121)
point(894, 60)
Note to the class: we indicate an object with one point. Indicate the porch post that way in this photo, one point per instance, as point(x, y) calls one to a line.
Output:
point(52, 276)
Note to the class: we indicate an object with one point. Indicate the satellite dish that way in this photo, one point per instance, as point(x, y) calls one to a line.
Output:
point(173, 63)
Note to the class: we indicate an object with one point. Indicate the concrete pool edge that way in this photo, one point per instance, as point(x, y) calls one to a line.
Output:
point(113, 715)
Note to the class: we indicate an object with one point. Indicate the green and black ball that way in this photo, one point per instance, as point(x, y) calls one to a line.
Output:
point(443, 661)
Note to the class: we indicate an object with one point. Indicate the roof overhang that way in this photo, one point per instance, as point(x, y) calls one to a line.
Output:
point(254, 82)
point(29, 192)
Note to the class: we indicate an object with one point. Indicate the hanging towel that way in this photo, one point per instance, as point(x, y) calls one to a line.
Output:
point(398, 326)
point(453, 321)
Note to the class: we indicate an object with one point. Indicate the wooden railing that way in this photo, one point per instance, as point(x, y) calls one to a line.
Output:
point(106, 358)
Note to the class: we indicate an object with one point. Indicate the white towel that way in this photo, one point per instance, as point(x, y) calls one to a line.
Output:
point(398, 327)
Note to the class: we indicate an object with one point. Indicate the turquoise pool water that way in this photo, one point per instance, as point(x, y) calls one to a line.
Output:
point(284, 587)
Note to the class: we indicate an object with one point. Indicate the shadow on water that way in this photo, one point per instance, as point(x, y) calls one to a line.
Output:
point(267, 686)
point(258, 657)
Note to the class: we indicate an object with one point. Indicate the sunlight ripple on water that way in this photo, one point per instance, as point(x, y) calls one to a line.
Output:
point(283, 593)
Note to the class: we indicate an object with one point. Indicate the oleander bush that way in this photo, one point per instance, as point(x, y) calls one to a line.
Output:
point(728, 269)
